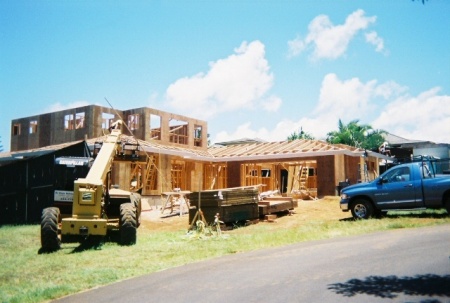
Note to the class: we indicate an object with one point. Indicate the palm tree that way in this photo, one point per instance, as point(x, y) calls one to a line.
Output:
point(1, 146)
point(300, 135)
point(357, 135)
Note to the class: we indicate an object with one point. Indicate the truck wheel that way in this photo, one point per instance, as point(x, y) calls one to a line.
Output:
point(362, 209)
point(127, 224)
point(50, 219)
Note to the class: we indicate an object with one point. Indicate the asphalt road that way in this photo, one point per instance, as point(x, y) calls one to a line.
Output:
point(407, 265)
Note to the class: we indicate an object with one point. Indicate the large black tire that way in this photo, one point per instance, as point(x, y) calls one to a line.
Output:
point(362, 209)
point(50, 219)
point(136, 199)
point(127, 227)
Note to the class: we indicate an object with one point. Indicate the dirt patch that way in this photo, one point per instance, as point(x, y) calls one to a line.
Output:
point(325, 209)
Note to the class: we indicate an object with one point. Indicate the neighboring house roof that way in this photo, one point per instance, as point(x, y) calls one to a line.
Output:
point(239, 141)
point(394, 140)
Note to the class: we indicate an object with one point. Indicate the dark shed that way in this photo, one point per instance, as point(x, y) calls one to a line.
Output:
point(28, 180)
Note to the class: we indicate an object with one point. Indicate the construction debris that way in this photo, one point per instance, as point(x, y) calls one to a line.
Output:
point(304, 194)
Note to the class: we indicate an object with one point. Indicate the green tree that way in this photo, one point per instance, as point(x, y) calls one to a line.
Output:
point(1, 146)
point(300, 135)
point(357, 135)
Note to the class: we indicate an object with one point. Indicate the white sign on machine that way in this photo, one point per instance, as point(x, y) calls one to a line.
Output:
point(63, 196)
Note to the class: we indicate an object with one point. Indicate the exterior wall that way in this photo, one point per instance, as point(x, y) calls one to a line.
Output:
point(19, 135)
point(341, 170)
point(329, 169)
point(144, 127)
point(326, 172)
point(436, 150)
point(52, 127)
point(164, 177)
point(44, 130)
point(351, 170)
point(234, 174)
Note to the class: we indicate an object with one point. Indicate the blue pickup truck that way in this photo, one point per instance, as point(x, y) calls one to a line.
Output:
point(406, 186)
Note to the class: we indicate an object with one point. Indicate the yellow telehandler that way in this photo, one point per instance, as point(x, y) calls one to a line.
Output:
point(97, 207)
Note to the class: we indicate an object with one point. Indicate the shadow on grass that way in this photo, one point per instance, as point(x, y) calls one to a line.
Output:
point(89, 243)
point(427, 214)
point(96, 242)
point(391, 286)
point(417, 214)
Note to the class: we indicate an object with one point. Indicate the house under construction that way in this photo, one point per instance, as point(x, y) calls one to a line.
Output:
point(172, 152)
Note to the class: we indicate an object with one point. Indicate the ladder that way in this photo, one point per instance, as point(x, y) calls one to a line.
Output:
point(301, 178)
point(363, 173)
point(304, 177)
point(151, 173)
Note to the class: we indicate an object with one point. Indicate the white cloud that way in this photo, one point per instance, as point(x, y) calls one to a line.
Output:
point(240, 81)
point(373, 38)
point(55, 107)
point(296, 46)
point(390, 89)
point(331, 41)
point(345, 99)
point(243, 131)
point(271, 104)
point(425, 117)
point(338, 99)
point(384, 106)
point(280, 132)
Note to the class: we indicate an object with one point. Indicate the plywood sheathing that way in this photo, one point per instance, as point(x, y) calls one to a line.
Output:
point(339, 174)
point(165, 167)
point(214, 176)
point(326, 183)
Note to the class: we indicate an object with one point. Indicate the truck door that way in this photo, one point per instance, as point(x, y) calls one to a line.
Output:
point(398, 189)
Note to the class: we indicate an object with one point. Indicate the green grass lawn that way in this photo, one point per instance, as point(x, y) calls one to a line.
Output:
point(27, 276)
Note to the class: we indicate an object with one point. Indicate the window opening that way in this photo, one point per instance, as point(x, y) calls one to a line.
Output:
point(198, 135)
point(16, 129)
point(177, 175)
point(178, 131)
point(155, 127)
point(133, 121)
point(107, 120)
point(79, 120)
point(33, 127)
point(265, 172)
point(69, 122)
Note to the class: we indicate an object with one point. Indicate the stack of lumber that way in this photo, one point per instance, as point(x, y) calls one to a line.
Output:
point(223, 197)
point(276, 204)
point(232, 204)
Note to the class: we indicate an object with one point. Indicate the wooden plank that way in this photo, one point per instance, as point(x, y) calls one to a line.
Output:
point(271, 207)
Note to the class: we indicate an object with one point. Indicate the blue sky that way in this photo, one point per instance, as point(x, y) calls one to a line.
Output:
point(251, 69)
